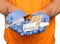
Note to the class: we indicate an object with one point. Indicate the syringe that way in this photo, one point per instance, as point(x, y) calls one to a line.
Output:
point(33, 26)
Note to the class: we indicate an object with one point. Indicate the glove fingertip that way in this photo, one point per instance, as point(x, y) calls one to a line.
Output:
point(19, 30)
point(42, 29)
point(22, 34)
point(47, 19)
point(35, 31)
point(27, 33)
point(31, 33)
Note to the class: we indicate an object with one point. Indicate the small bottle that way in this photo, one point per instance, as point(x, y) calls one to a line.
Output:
point(28, 17)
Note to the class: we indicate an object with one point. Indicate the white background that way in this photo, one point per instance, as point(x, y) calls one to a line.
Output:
point(57, 29)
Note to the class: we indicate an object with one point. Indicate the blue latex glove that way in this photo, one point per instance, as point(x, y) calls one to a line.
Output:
point(13, 17)
point(45, 18)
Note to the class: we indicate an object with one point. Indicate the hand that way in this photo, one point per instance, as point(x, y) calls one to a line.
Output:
point(45, 18)
point(39, 17)
point(13, 17)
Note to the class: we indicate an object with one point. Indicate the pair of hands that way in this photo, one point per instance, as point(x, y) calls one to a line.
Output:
point(19, 28)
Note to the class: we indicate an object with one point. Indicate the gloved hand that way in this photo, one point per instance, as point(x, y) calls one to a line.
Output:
point(13, 17)
point(45, 18)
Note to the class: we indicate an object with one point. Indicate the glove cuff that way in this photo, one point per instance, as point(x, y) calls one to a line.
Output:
point(39, 13)
point(18, 12)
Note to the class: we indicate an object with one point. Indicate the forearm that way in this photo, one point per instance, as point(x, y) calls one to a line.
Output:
point(11, 7)
point(6, 7)
point(53, 8)
point(3, 7)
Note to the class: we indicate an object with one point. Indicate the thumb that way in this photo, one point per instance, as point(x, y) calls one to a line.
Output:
point(9, 19)
point(47, 19)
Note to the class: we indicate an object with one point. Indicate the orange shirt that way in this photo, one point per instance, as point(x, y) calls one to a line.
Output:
point(29, 7)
